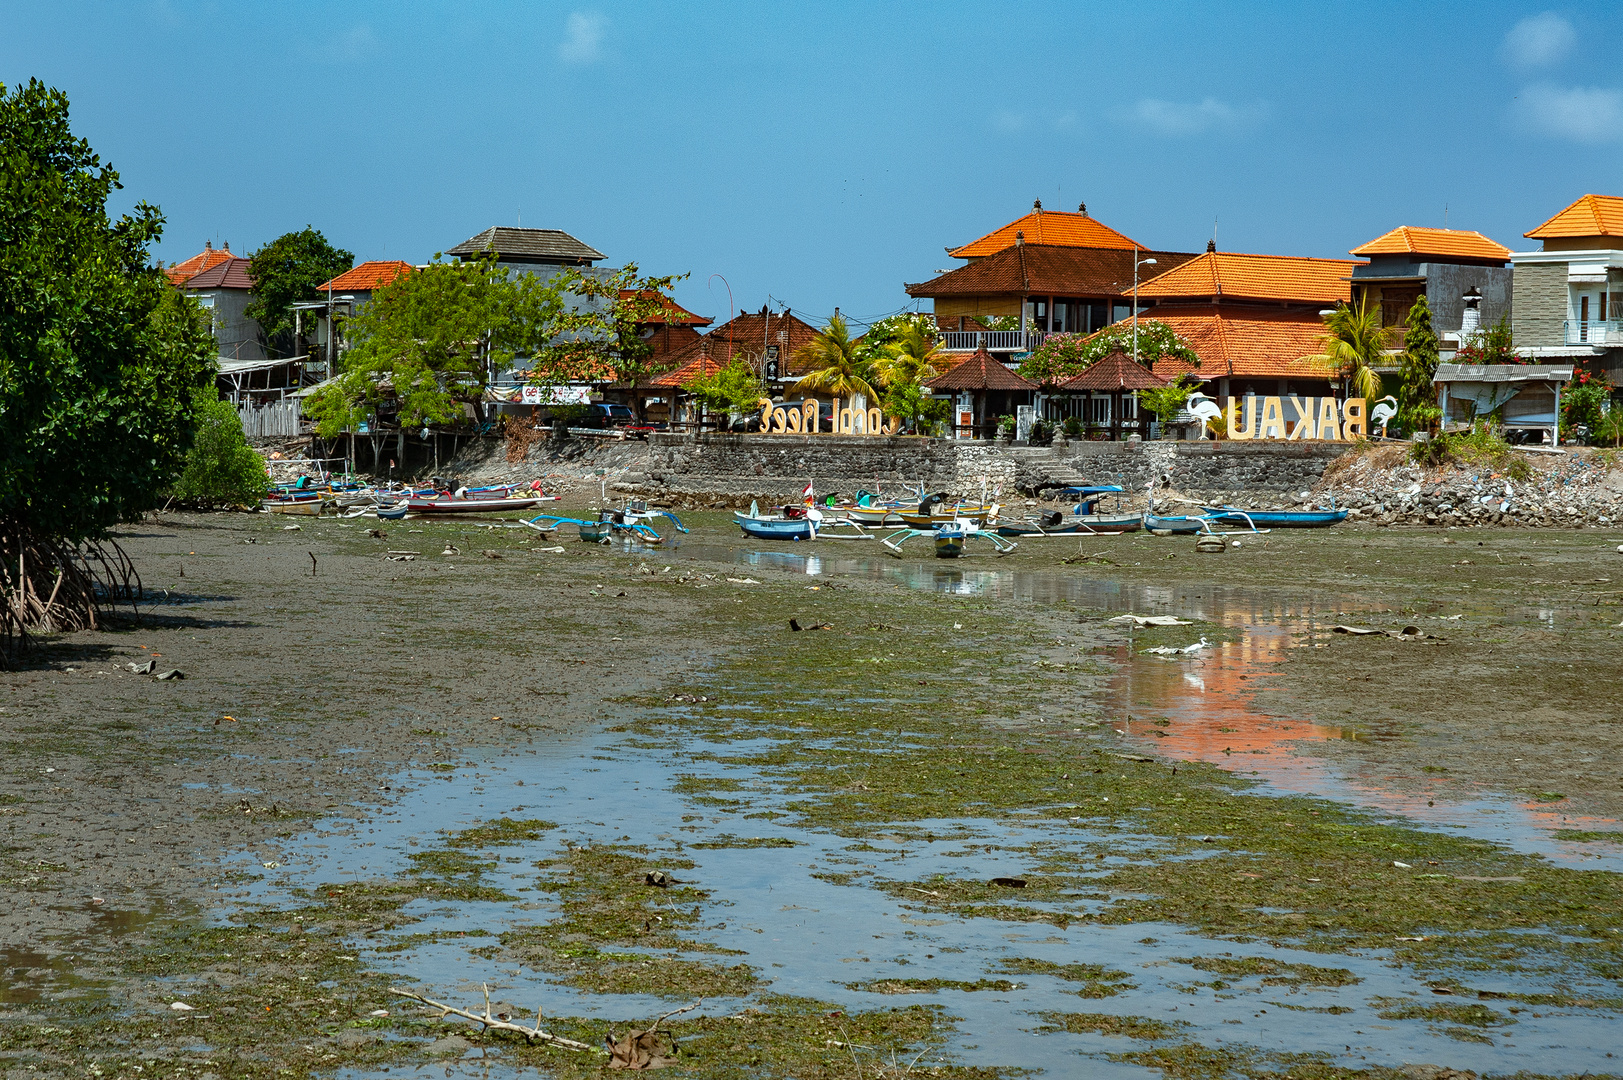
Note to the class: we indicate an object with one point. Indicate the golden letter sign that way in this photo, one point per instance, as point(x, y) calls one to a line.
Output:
point(1316, 418)
point(804, 419)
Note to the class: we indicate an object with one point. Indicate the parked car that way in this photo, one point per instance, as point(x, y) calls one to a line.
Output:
point(607, 415)
point(825, 411)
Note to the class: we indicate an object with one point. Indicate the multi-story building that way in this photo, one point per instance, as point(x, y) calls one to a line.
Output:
point(1458, 272)
point(1568, 293)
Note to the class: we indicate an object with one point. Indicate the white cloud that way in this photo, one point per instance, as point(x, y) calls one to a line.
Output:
point(1580, 114)
point(1180, 118)
point(1539, 40)
point(1009, 121)
point(583, 39)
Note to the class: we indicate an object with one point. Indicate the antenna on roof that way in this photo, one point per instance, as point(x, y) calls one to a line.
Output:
point(521, 217)
point(1213, 246)
point(1445, 215)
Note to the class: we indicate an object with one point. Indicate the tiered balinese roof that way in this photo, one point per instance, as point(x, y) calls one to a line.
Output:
point(1592, 215)
point(1246, 342)
point(1117, 371)
point(1443, 243)
point(749, 335)
point(1222, 275)
point(527, 245)
point(210, 256)
point(1046, 270)
point(370, 275)
point(979, 371)
point(1061, 228)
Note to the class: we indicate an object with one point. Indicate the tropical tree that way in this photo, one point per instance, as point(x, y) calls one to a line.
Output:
point(286, 271)
point(221, 469)
point(910, 358)
point(99, 363)
point(835, 370)
point(1353, 344)
point(1062, 356)
point(427, 342)
point(735, 389)
point(1417, 395)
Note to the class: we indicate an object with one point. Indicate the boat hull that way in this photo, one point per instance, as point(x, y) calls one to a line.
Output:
point(1276, 519)
point(1087, 525)
point(468, 506)
point(775, 528)
point(301, 507)
point(1181, 526)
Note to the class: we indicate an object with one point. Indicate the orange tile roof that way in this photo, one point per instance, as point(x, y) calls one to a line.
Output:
point(372, 274)
point(1255, 277)
point(675, 314)
point(1253, 343)
point(1419, 240)
point(1592, 215)
point(1061, 228)
point(1117, 371)
point(980, 371)
point(686, 375)
point(203, 260)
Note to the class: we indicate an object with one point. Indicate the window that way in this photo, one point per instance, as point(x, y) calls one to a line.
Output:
point(1099, 409)
point(1129, 407)
point(1097, 317)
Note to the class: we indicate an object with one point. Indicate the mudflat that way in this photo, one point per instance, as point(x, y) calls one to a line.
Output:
point(450, 756)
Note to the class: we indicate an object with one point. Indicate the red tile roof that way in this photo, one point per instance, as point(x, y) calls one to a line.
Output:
point(1449, 243)
point(1592, 215)
point(675, 314)
point(1116, 371)
point(980, 371)
point(228, 273)
point(209, 256)
point(1046, 270)
point(748, 335)
point(1255, 277)
point(372, 274)
point(699, 367)
point(1060, 227)
point(1249, 343)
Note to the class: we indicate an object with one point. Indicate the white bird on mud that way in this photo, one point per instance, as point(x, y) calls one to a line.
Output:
point(1204, 407)
point(1384, 410)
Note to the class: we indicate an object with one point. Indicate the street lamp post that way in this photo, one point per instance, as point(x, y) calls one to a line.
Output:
point(1137, 262)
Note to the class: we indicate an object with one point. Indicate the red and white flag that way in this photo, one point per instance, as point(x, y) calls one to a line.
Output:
point(809, 495)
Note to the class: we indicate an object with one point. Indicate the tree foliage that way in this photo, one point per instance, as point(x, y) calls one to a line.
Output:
point(835, 368)
point(424, 344)
point(221, 469)
point(1490, 345)
point(1353, 342)
point(911, 357)
point(871, 347)
point(598, 330)
point(286, 271)
point(1417, 395)
point(1062, 356)
point(735, 389)
point(99, 357)
point(1166, 402)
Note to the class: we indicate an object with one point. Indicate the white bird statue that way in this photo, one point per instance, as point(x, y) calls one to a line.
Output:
point(1384, 410)
point(1204, 407)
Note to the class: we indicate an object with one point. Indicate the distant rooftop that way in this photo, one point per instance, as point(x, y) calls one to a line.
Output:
point(203, 260)
point(1591, 215)
point(528, 245)
point(1445, 243)
point(373, 274)
point(1061, 228)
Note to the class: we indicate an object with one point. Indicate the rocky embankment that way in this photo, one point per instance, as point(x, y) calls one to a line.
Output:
point(1582, 488)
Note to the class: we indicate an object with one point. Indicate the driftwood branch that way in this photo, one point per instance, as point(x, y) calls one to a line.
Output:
point(493, 1023)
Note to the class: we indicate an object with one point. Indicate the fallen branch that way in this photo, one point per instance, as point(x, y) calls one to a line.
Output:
point(492, 1023)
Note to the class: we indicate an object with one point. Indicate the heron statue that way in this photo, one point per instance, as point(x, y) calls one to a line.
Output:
point(1384, 410)
point(1206, 408)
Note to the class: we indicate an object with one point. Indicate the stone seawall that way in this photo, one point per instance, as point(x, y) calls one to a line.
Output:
point(734, 468)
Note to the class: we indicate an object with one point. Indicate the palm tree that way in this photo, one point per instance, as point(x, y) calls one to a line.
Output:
point(908, 360)
point(1354, 342)
point(834, 367)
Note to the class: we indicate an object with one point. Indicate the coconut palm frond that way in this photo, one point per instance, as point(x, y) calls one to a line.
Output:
point(1353, 342)
point(835, 370)
point(910, 359)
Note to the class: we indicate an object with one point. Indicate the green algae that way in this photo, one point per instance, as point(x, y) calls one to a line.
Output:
point(1130, 1027)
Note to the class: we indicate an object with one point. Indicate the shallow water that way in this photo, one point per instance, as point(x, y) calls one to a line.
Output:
point(813, 937)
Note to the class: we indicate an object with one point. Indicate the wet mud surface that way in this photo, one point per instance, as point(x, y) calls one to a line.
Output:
point(970, 828)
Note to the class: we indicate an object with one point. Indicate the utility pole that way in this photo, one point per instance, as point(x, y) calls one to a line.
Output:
point(1136, 264)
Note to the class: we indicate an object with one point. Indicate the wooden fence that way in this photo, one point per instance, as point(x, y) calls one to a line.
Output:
point(276, 419)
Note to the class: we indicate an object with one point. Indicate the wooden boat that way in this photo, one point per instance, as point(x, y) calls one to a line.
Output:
point(395, 512)
point(1078, 524)
point(310, 507)
point(450, 504)
point(762, 527)
point(1276, 519)
point(1179, 525)
point(950, 538)
point(932, 512)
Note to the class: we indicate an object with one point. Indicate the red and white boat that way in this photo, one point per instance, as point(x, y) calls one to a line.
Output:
point(473, 504)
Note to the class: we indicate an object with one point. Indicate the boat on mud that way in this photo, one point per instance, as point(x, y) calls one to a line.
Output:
point(1054, 523)
point(1276, 519)
point(495, 501)
point(761, 526)
point(933, 511)
point(1176, 524)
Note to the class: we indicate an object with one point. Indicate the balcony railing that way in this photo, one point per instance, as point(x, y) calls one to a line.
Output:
point(1594, 332)
point(994, 340)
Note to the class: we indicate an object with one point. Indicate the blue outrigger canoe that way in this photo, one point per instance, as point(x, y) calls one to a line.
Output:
point(1275, 519)
point(775, 528)
point(1181, 524)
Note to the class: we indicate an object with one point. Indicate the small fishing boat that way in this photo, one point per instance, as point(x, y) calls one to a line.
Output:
point(450, 504)
point(1057, 524)
point(1277, 519)
point(310, 507)
point(932, 512)
point(873, 511)
point(395, 512)
point(1176, 525)
point(777, 527)
point(950, 538)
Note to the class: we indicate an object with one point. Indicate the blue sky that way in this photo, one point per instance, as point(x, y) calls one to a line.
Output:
point(822, 154)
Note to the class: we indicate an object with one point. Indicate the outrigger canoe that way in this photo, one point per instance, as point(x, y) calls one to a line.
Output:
point(1084, 525)
point(1179, 525)
point(1277, 519)
point(450, 504)
point(763, 527)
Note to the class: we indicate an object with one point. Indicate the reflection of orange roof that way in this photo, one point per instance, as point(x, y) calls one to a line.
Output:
point(1418, 240)
point(1255, 277)
point(1592, 215)
point(1254, 343)
point(373, 274)
point(203, 260)
point(701, 368)
point(675, 314)
point(1059, 228)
